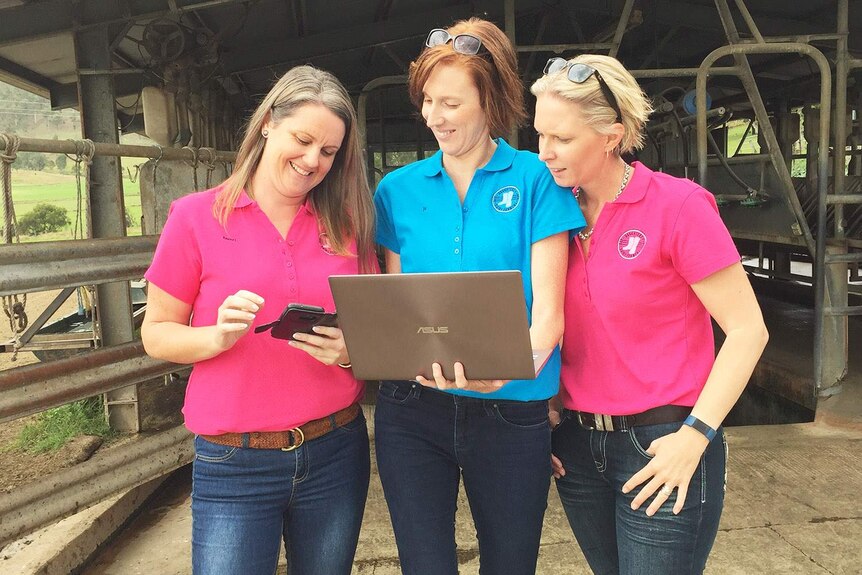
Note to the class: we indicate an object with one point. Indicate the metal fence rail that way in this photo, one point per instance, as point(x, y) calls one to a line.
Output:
point(33, 388)
point(53, 265)
point(70, 491)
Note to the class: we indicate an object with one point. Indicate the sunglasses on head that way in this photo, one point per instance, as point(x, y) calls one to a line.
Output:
point(580, 73)
point(462, 43)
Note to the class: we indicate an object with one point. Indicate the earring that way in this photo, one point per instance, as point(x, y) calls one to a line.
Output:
point(265, 133)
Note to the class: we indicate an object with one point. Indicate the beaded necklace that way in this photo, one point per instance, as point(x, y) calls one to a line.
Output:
point(626, 175)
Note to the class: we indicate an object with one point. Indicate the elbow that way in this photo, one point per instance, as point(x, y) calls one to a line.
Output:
point(762, 336)
point(149, 340)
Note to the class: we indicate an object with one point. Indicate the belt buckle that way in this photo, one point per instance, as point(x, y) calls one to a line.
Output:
point(294, 431)
point(601, 422)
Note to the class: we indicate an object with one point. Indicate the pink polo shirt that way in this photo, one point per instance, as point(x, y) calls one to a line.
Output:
point(261, 383)
point(636, 335)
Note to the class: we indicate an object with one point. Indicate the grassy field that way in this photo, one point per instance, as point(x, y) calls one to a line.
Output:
point(31, 188)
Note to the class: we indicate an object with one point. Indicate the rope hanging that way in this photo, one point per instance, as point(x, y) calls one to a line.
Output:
point(156, 165)
point(209, 163)
point(14, 306)
point(194, 164)
point(84, 152)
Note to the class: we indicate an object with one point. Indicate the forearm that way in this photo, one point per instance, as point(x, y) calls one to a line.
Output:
point(547, 328)
point(548, 266)
point(180, 343)
point(730, 373)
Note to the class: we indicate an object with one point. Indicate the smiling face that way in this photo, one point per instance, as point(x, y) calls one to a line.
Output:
point(452, 109)
point(299, 151)
point(573, 151)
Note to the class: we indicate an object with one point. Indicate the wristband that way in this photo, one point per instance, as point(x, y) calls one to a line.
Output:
point(349, 365)
point(700, 426)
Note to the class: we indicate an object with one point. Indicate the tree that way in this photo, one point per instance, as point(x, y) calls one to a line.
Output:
point(45, 218)
point(60, 162)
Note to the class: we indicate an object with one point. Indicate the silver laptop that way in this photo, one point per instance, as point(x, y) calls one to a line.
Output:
point(395, 326)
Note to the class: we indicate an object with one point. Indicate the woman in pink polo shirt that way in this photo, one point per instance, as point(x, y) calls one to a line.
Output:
point(639, 453)
point(281, 448)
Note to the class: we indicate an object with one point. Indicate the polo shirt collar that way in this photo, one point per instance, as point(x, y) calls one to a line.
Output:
point(244, 200)
point(502, 159)
point(637, 186)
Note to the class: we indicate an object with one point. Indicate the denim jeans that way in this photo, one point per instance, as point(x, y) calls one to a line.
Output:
point(426, 440)
point(614, 538)
point(244, 501)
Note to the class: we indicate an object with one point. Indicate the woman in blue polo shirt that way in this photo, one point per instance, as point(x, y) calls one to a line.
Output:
point(477, 204)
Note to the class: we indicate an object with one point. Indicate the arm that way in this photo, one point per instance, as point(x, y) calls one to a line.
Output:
point(393, 261)
point(549, 259)
point(167, 335)
point(728, 297)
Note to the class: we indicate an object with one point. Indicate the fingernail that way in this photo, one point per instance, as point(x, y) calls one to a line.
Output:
point(291, 343)
point(316, 329)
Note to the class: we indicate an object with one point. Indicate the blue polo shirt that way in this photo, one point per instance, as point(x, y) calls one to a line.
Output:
point(512, 202)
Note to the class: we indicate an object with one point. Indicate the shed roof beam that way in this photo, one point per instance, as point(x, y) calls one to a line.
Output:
point(24, 78)
point(336, 41)
point(40, 19)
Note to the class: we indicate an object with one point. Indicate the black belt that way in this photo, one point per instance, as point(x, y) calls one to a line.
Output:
point(654, 416)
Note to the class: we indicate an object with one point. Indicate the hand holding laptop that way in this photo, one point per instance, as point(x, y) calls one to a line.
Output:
point(461, 381)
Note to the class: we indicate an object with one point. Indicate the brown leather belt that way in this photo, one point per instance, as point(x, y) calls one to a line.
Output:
point(290, 439)
point(654, 416)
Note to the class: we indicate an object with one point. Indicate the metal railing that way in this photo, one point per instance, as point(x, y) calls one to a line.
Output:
point(34, 388)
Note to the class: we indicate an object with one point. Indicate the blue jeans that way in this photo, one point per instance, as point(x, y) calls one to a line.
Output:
point(616, 539)
point(244, 501)
point(426, 440)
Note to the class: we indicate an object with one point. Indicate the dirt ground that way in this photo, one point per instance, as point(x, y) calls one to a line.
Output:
point(18, 467)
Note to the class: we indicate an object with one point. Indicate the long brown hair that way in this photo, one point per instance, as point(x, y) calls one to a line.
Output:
point(342, 201)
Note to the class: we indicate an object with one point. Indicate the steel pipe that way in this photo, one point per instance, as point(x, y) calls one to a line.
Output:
point(33, 388)
point(844, 199)
point(819, 244)
point(683, 72)
point(50, 265)
point(123, 150)
point(65, 493)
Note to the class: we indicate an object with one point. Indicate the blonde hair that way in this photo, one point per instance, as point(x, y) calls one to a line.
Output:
point(494, 72)
point(342, 201)
point(597, 112)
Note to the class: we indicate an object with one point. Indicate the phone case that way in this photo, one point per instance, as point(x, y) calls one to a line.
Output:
point(298, 318)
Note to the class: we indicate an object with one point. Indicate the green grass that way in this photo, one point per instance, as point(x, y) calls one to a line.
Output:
point(31, 188)
point(53, 428)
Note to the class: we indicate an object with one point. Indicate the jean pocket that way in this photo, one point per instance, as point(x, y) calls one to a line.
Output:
point(397, 391)
point(212, 452)
point(636, 443)
point(523, 416)
point(357, 424)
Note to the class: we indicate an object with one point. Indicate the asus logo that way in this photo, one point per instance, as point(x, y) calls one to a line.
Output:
point(432, 329)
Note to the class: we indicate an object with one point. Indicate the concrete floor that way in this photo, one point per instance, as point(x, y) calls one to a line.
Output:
point(792, 507)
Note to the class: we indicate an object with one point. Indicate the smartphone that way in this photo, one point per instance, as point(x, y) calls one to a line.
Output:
point(299, 318)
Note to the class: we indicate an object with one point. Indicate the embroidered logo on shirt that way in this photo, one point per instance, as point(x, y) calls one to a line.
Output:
point(506, 199)
point(224, 237)
point(631, 244)
point(323, 240)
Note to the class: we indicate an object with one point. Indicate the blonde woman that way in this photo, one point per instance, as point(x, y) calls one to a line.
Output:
point(639, 452)
point(281, 448)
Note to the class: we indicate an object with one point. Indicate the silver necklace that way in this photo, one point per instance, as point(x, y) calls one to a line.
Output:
point(626, 175)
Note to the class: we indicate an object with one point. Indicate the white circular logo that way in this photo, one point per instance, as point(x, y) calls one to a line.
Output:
point(631, 244)
point(506, 199)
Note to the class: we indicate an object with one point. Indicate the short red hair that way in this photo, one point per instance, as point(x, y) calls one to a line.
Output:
point(494, 71)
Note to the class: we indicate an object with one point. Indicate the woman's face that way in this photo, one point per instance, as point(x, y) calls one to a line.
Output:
point(300, 150)
point(573, 151)
point(452, 109)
